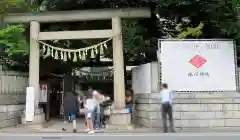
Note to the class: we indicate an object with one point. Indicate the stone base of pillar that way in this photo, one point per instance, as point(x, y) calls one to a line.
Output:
point(38, 121)
point(120, 119)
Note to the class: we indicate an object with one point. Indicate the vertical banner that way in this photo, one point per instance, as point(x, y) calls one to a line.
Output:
point(30, 104)
point(43, 93)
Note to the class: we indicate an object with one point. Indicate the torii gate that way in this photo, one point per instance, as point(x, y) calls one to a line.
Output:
point(68, 16)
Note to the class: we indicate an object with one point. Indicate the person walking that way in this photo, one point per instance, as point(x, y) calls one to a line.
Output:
point(70, 107)
point(90, 105)
point(97, 98)
point(166, 100)
point(100, 111)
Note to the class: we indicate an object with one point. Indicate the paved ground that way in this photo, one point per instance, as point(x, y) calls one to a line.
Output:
point(52, 130)
point(55, 126)
point(105, 136)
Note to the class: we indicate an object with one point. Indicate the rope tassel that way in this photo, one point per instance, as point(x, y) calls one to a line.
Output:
point(65, 56)
point(105, 45)
point(75, 57)
point(92, 53)
point(69, 55)
point(83, 56)
point(80, 55)
point(61, 55)
point(44, 48)
point(56, 55)
point(101, 50)
point(96, 50)
point(52, 53)
point(48, 52)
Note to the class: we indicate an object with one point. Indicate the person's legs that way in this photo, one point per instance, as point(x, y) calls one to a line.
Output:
point(98, 118)
point(170, 116)
point(89, 123)
point(164, 117)
point(73, 119)
point(90, 128)
point(65, 120)
point(129, 107)
point(102, 116)
point(94, 117)
point(85, 113)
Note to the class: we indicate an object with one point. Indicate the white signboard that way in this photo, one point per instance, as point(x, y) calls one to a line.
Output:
point(43, 93)
point(29, 114)
point(195, 65)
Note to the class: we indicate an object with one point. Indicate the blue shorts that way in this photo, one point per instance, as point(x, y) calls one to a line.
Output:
point(129, 107)
point(72, 117)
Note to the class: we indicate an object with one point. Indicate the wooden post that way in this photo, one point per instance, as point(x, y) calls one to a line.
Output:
point(118, 64)
point(34, 59)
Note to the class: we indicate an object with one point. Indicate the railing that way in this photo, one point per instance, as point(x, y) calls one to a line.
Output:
point(13, 82)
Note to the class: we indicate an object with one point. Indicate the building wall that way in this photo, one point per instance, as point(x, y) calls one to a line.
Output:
point(191, 110)
point(12, 97)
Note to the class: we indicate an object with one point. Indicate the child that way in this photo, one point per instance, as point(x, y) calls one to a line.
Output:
point(89, 108)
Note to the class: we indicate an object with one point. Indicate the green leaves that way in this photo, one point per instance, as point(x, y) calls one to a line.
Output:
point(13, 41)
point(133, 39)
point(228, 20)
point(193, 32)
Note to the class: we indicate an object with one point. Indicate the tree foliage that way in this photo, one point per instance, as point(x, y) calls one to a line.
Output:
point(133, 39)
point(170, 19)
point(227, 20)
point(14, 46)
point(193, 32)
point(13, 41)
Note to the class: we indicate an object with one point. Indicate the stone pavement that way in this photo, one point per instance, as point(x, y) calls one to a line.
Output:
point(120, 136)
point(55, 126)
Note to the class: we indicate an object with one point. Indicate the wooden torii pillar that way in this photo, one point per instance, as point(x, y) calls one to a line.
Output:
point(87, 15)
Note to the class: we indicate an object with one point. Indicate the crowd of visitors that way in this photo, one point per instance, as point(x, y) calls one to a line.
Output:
point(94, 104)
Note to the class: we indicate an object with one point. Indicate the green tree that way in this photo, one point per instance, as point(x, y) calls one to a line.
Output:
point(14, 47)
point(140, 36)
point(228, 20)
point(13, 40)
point(192, 32)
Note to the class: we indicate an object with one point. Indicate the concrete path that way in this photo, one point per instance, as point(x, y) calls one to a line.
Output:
point(117, 136)
point(55, 127)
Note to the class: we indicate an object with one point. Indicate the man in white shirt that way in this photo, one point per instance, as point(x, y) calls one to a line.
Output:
point(166, 100)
